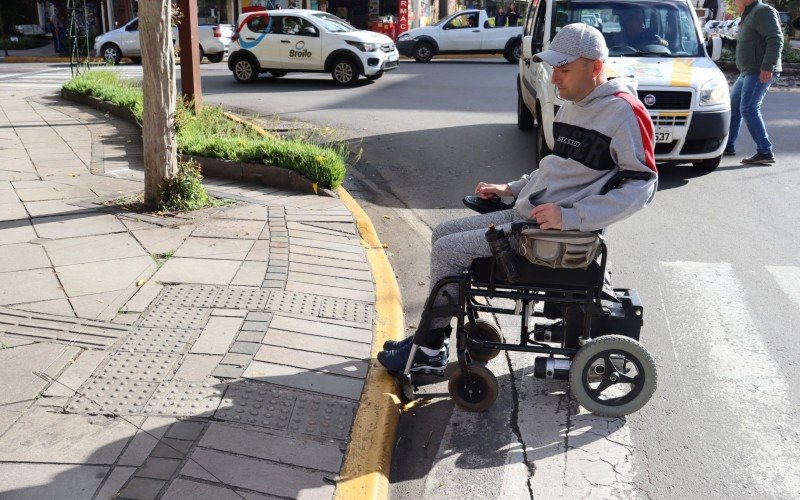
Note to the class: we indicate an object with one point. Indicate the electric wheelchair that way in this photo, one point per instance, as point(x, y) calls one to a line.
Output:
point(588, 332)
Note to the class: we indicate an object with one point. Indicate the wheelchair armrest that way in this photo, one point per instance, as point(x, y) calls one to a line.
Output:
point(483, 206)
point(624, 175)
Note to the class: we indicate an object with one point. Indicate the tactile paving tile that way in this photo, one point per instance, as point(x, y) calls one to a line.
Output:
point(184, 399)
point(294, 302)
point(257, 404)
point(242, 298)
point(146, 366)
point(113, 396)
point(189, 318)
point(350, 310)
point(158, 340)
point(188, 296)
point(322, 417)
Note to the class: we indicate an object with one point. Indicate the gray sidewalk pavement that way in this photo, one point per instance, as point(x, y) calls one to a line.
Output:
point(216, 354)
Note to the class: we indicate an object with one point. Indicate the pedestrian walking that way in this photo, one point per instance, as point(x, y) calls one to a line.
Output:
point(512, 15)
point(500, 18)
point(758, 58)
point(713, 7)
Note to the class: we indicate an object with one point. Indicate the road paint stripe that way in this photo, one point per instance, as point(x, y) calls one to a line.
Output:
point(788, 278)
point(717, 337)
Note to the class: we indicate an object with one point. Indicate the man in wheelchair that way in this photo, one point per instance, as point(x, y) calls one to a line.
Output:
point(602, 130)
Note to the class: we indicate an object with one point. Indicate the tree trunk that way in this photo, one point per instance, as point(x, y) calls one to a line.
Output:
point(158, 88)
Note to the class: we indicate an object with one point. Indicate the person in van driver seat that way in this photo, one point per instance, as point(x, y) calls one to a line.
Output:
point(601, 129)
point(634, 33)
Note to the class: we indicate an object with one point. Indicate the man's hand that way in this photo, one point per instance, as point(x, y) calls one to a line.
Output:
point(765, 76)
point(548, 216)
point(487, 191)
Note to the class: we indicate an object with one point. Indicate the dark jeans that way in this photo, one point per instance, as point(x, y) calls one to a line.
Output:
point(746, 96)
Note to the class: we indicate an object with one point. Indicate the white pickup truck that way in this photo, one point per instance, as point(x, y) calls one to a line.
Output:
point(465, 32)
point(124, 42)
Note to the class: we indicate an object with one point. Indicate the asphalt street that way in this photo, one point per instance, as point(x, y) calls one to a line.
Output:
point(714, 260)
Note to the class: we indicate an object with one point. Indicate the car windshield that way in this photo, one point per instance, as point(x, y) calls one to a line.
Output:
point(332, 23)
point(662, 28)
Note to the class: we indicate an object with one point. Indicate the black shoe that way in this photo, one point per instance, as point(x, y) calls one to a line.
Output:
point(393, 345)
point(728, 153)
point(760, 159)
point(395, 361)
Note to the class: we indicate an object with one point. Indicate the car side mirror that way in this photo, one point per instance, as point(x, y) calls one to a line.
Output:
point(714, 48)
point(527, 50)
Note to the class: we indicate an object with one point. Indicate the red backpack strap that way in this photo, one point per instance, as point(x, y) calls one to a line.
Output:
point(645, 128)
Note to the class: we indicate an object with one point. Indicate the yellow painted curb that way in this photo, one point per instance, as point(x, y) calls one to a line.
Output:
point(365, 473)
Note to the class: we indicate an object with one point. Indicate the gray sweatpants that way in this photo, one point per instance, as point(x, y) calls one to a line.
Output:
point(456, 243)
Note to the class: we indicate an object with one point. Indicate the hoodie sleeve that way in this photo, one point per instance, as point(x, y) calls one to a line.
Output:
point(631, 149)
point(517, 186)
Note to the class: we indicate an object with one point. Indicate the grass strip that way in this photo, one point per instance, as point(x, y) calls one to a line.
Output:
point(211, 134)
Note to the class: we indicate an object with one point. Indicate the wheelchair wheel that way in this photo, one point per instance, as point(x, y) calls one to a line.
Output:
point(476, 393)
point(613, 376)
point(486, 331)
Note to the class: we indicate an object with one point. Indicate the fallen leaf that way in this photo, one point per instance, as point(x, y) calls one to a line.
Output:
point(385, 245)
point(140, 282)
point(387, 217)
point(71, 174)
point(412, 326)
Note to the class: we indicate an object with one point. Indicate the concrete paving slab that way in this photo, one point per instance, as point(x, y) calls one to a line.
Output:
point(140, 488)
point(49, 481)
point(7, 419)
point(29, 286)
point(237, 359)
point(246, 212)
point(289, 376)
point(242, 229)
point(13, 211)
point(18, 364)
point(60, 307)
point(242, 298)
point(20, 256)
point(197, 367)
point(172, 448)
point(185, 399)
point(101, 306)
point(321, 327)
point(56, 207)
point(336, 365)
point(249, 348)
point(215, 248)
point(160, 240)
point(228, 371)
point(144, 297)
point(246, 336)
point(200, 271)
point(338, 347)
point(329, 262)
point(331, 281)
point(52, 191)
point(145, 440)
point(259, 251)
point(43, 436)
point(336, 272)
point(159, 468)
point(331, 291)
point(250, 274)
point(76, 225)
point(181, 489)
point(16, 231)
point(217, 336)
point(105, 276)
point(93, 249)
point(254, 442)
point(186, 429)
point(257, 475)
point(114, 482)
point(76, 373)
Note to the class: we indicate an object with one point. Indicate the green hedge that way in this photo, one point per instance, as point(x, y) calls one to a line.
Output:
point(211, 134)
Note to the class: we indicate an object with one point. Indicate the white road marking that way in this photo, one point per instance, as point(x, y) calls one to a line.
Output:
point(788, 278)
point(742, 378)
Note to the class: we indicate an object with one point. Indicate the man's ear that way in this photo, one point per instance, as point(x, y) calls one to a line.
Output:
point(597, 68)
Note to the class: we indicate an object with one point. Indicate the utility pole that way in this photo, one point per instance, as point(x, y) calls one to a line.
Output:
point(190, 54)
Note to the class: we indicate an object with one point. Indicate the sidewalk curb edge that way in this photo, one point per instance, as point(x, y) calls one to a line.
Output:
point(367, 463)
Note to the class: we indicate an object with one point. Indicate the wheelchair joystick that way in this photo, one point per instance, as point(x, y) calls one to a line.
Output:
point(501, 250)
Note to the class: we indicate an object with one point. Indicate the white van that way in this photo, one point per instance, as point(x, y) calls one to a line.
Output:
point(680, 85)
point(297, 40)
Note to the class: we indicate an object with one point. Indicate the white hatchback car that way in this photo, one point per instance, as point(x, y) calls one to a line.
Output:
point(294, 40)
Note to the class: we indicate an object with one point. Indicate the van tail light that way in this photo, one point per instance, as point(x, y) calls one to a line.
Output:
point(217, 33)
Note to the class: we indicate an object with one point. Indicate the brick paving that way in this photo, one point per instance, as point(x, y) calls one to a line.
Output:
point(217, 354)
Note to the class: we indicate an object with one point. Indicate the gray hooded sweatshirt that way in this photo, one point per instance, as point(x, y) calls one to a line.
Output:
point(594, 139)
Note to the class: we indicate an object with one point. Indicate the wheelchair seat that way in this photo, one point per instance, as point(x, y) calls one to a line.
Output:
point(486, 272)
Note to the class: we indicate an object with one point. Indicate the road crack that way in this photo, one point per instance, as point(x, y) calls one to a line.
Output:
point(514, 421)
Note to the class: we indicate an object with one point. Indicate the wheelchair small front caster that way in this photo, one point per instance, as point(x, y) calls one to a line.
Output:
point(485, 331)
point(407, 388)
point(613, 376)
point(473, 391)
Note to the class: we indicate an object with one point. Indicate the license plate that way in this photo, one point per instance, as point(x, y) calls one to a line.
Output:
point(392, 58)
point(663, 135)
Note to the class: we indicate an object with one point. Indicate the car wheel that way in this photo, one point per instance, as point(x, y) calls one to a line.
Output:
point(201, 53)
point(215, 58)
point(513, 53)
point(277, 74)
point(244, 70)
point(423, 52)
point(541, 142)
point(111, 54)
point(524, 116)
point(344, 72)
point(374, 77)
point(707, 165)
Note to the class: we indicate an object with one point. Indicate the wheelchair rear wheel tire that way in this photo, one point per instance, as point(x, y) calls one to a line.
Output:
point(609, 361)
point(477, 394)
point(486, 331)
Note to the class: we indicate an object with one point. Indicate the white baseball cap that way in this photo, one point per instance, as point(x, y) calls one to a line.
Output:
point(572, 42)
